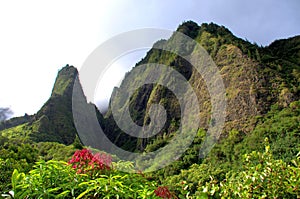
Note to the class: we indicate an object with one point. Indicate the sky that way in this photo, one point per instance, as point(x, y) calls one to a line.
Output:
point(37, 38)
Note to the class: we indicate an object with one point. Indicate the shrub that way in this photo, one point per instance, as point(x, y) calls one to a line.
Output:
point(261, 177)
point(84, 161)
point(85, 176)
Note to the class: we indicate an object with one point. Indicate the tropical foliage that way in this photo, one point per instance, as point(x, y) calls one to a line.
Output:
point(86, 175)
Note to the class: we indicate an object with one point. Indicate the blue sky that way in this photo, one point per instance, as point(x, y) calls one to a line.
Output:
point(37, 38)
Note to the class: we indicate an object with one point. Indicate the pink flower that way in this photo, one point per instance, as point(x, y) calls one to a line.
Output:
point(84, 160)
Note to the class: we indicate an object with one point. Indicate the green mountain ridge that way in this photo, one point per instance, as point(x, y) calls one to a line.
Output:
point(255, 79)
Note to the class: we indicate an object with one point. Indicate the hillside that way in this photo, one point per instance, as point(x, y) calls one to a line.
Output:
point(255, 78)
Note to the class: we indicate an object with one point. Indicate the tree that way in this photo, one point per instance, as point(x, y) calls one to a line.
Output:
point(257, 55)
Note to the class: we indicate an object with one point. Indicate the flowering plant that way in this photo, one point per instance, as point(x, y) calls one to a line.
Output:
point(84, 160)
point(163, 192)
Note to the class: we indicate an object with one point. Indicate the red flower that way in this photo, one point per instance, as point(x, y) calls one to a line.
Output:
point(163, 192)
point(84, 160)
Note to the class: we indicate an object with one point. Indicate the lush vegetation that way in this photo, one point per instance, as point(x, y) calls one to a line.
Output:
point(263, 164)
point(84, 176)
point(22, 155)
point(260, 176)
point(89, 175)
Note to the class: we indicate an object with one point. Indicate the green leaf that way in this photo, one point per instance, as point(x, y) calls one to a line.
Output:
point(14, 178)
point(65, 193)
point(54, 189)
point(83, 193)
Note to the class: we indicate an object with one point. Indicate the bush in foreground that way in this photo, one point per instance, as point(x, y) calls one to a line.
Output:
point(85, 176)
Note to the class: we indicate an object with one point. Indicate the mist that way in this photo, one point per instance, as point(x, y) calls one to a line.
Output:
point(5, 113)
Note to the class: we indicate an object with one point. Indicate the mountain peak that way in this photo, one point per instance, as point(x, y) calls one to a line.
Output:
point(215, 29)
point(55, 119)
point(189, 28)
point(64, 80)
point(192, 29)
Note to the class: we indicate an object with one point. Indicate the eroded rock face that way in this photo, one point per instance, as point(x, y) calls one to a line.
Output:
point(252, 84)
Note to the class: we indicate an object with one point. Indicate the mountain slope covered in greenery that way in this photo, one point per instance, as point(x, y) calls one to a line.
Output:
point(255, 78)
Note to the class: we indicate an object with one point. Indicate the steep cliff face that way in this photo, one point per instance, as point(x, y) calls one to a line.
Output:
point(54, 119)
point(254, 78)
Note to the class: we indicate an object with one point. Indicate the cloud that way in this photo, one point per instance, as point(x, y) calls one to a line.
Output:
point(5, 113)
